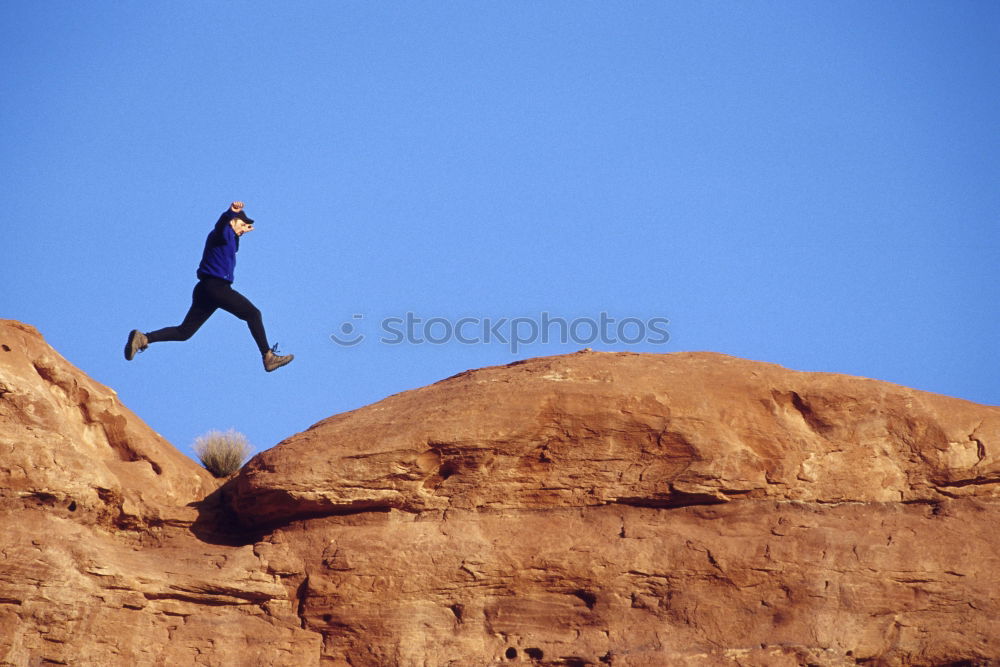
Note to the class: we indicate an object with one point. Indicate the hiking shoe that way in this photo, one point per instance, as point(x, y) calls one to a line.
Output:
point(273, 360)
point(136, 343)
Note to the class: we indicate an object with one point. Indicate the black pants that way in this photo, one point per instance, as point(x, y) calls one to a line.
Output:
point(210, 294)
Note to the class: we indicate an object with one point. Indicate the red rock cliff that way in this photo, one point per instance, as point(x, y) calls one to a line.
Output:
point(595, 508)
point(106, 542)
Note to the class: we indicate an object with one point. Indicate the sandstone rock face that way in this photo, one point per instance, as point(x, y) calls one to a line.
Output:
point(596, 508)
point(99, 559)
point(616, 508)
point(645, 430)
point(67, 442)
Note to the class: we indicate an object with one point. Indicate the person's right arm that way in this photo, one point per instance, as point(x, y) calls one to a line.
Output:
point(219, 233)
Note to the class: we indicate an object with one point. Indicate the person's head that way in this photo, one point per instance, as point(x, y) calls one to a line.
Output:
point(241, 224)
point(241, 227)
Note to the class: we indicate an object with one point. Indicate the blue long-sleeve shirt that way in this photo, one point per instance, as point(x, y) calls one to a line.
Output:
point(219, 257)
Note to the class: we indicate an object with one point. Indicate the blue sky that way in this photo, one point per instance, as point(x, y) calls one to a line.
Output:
point(813, 184)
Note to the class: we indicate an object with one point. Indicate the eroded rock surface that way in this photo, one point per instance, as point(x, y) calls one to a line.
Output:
point(595, 508)
point(67, 442)
point(635, 429)
point(109, 549)
point(617, 508)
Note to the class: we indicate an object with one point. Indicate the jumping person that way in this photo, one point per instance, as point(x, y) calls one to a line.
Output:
point(214, 290)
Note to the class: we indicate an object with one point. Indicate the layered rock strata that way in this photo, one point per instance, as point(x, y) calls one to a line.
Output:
point(110, 552)
point(616, 508)
point(595, 508)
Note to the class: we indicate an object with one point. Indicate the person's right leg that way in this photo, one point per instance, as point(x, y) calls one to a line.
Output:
point(225, 297)
point(233, 302)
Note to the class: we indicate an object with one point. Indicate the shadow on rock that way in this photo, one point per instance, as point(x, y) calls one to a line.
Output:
point(217, 523)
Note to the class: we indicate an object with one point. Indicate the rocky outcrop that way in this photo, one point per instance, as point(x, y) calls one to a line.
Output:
point(106, 536)
point(594, 429)
point(643, 509)
point(595, 508)
point(67, 443)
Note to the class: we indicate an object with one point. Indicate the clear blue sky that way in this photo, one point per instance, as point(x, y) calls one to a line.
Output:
point(815, 184)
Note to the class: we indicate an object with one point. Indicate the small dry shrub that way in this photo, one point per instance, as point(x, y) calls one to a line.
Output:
point(222, 454)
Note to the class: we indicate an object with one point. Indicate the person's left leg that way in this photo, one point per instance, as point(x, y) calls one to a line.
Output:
point(201, 309)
